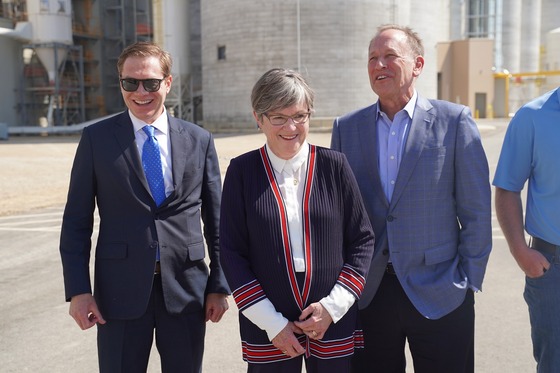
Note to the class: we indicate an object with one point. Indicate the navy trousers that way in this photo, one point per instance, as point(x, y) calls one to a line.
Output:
point(445, 345)
point(124, 345)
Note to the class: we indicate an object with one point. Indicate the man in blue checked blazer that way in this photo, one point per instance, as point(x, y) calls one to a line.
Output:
point(424, 179)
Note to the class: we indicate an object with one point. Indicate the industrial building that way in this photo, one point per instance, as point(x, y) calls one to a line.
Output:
point(59, 56)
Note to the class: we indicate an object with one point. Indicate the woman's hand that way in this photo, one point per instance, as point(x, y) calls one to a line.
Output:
point(287, 342)
point(314, 321)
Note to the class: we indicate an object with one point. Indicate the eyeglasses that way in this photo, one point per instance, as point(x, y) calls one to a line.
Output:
point(150, 85)
point(280, 120)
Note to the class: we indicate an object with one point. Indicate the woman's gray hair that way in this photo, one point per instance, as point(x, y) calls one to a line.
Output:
point(280, 88)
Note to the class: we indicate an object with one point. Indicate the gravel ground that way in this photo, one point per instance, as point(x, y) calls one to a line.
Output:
point(35, 172)
point(36, 169)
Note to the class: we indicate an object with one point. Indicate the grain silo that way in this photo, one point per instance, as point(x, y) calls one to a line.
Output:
point(550, 10)
point(511, 28)
point(530, 36)
point(170, 21)
point(552, 61)
point(550, 41)
point(327, 40)
point(51, 23)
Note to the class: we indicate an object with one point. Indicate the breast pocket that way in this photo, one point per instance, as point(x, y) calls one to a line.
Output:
point(432, 166)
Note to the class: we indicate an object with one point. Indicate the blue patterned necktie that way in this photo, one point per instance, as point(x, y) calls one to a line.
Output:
point(151, 161)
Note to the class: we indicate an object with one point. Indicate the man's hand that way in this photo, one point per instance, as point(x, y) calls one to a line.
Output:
point(531, 261)
point(216, 306)
point(509, 210)
point(314, 321)
point(83, 309)
point(287, 342)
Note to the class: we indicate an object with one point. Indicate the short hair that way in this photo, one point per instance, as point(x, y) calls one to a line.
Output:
point(412, 37)
point(280, 88)
point(146, 49)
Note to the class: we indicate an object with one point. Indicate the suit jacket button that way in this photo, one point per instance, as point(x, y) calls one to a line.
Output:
point(154, 245)
point(385, 252)
point(390, 218)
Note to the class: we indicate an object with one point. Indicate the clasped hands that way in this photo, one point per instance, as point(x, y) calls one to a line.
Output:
point(313, 322)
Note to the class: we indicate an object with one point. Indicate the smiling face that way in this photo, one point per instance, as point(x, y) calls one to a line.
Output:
point(146, 106)
point(286, 140)
point(393, 67)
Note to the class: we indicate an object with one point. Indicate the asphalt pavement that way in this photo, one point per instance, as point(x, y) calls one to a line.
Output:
point(38, 335)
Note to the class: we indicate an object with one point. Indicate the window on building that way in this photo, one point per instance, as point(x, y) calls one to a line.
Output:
point(481, 18)
point(221, 52)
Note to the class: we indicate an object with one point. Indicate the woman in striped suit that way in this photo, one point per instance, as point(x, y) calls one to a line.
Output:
point(295, 239)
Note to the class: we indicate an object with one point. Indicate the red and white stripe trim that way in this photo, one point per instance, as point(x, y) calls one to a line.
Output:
point(352, 280)
point(248, 294)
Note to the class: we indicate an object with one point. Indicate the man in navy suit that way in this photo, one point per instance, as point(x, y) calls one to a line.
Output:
point(424, 179)
point(150, 272)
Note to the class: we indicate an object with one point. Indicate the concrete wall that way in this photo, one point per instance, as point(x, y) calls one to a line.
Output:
point(445, 70)
point(481, 76)
point(330, 50)
point(465, 68)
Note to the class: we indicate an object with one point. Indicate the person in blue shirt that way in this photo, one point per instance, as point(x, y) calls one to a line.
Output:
point(531, 152)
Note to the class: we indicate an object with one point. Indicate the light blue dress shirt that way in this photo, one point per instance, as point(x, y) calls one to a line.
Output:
point(392, 137)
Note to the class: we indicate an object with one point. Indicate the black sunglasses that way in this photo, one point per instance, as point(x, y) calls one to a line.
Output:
point(150, 85)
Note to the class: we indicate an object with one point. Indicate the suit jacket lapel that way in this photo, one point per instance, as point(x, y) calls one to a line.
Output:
point(125, 137)
point(422, 121)
point(180, 145)
point(369, 146)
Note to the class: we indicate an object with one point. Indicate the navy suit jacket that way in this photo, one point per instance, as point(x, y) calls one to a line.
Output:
point(107, 171)
point(437, 227)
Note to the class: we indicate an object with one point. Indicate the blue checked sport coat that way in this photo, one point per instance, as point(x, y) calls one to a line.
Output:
point(437, 227)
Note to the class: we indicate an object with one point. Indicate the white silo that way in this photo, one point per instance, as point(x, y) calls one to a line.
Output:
point(552, 60)
point(432, 23)
point(530, 36)
point(511, 35)
point(172, 23)
point(335, 37)
point(550, 40)
point(326, 39)
point(51, 22)
point(552, 43)
point(550, 19)
point(240, 41)
point(458, 18)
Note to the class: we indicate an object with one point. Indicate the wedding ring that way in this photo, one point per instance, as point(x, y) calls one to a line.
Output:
point(314, 334)
point(284, 351)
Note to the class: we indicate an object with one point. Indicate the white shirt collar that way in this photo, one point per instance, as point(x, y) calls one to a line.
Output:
point(160, 123)
point(295, 162)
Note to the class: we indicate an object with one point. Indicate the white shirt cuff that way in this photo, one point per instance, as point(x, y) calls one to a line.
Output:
point(264, 315)
point(338, 302)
